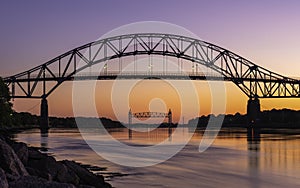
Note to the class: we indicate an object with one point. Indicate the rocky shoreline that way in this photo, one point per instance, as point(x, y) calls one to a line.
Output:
point(26, 167)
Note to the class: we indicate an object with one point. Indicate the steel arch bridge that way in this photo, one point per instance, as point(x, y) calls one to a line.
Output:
point(254, 80)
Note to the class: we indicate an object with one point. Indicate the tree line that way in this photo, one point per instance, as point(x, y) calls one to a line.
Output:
point(283, 118)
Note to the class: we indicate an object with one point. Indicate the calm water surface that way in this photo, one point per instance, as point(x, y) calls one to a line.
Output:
point(237, 158)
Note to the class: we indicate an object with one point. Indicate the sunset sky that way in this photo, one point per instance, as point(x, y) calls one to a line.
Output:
point(265, 32)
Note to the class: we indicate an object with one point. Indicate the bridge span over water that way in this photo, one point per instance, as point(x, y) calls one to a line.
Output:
point(255, 81)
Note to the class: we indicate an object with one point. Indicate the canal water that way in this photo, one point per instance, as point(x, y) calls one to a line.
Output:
point(237, 157)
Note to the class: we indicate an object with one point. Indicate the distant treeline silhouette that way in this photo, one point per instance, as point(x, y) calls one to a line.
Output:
point(284, 118)
point(27, 120)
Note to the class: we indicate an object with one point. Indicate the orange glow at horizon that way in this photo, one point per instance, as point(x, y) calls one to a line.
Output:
point(150, 96)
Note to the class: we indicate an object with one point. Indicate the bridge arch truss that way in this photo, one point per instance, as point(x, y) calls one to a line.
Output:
point(255, 81)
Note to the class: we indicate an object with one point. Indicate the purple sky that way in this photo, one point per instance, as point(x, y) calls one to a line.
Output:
point(266, 32)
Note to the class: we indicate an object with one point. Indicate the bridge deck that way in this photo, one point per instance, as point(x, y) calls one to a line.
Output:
point(146, 76)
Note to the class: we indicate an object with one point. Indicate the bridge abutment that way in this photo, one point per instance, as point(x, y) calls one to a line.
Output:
point(44, 119)
point(253, 111)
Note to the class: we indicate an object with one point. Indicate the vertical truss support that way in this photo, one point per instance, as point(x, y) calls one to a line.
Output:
point(44, 80)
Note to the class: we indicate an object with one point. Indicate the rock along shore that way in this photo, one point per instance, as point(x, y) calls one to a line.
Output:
point(26, 167)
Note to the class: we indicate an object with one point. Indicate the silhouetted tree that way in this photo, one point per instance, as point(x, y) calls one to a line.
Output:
point(6, 111)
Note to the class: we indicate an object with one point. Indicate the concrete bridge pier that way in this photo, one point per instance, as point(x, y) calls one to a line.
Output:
point(44, 121)
point(253, 111)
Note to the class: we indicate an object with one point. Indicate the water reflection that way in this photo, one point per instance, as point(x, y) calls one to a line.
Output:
point(251, 152)
point(44, 141)
point(253, 137)
point(149, 134)
point(253, 143)
point(266, 150)
point(170, 134)
point(129, 134)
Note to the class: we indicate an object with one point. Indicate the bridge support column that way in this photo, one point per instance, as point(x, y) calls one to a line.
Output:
point(253, 111)
point(44, 121)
